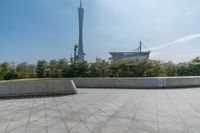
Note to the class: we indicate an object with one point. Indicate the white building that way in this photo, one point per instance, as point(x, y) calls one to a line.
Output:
point(138, 54)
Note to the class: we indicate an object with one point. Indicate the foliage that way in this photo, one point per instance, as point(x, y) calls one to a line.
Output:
point(99, 69)
point(25, 70)
point(143, 68)
point(62, 68)
point(11, 74)
point(41, 69)
point(76, 70)
point(7, 72)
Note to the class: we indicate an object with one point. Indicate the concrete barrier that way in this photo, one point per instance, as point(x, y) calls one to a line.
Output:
point(182, 82)
point(37, 87)
point(156, 82)
point(68, 86)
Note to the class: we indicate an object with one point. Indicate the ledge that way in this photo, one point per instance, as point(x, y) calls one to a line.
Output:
point(37, 87)
point(137, 83)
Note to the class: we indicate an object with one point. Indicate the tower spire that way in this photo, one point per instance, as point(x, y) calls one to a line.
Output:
point(140, 46)
point(81, 53)
point(80, 3)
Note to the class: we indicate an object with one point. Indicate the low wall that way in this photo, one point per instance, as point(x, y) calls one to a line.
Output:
point(37, 87)
point(157, 82)
point(67, 86)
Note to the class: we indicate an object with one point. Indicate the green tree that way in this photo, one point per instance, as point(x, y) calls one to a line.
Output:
point(42, 69)
point(62, 64)
point(7, 72)
point(194, 69)
point(153, 68)
point(126, 68)
point(196, 60)
point(25, 70)
point(169, 69)
point(194, 66)
point(4, 68)
point(11, 74)
point(76, 70)
point(183, 69)
point(99, 69)
point(52, 68)
point(130, 68)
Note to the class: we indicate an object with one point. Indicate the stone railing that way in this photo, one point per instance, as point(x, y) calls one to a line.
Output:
point(37, 87)
point(151, 82)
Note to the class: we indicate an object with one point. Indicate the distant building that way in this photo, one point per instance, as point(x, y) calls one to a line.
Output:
point(79, 54)
point(99, 59)
point(138, 54)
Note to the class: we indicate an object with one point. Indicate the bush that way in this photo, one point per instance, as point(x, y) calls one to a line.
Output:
point(10, 75)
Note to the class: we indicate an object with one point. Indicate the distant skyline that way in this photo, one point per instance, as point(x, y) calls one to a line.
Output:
point(48, 29)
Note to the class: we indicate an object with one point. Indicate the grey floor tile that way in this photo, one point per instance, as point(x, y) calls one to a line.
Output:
point(106, 111)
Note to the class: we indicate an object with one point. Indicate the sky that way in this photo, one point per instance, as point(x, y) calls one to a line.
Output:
point(48, 29)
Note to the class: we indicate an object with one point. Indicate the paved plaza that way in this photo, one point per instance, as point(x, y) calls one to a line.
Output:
point(105, 111)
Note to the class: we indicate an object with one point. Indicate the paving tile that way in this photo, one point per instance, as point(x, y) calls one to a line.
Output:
point(108, 129)
point(21, 129)
point(16, 124)
point(80, 128)
point(32, 128)
point(4, 125)
point(144, 125)
point(55, 130)
point(105, 111)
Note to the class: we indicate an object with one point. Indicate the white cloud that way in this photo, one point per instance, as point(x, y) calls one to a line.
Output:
point(188, 13)
point(187, 38)
point(177, 41)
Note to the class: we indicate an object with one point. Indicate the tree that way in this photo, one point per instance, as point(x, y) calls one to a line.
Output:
point(136, 68)
point(7, 72)
point(169, 69)
point(99, 69)
point(31, 71)
point(62, 64)
point(124, 68)
point(52, 68)
point(25, 70)
point(183, 69)
point(196, 60)
point(194, 66)
point(76, 70)
point(41, 69)
point(11, 74)
point(194, 69)
point(4, 67)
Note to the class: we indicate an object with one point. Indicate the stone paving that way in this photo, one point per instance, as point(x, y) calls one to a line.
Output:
point(105, 111)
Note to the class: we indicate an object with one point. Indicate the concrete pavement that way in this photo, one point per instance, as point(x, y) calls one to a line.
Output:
point(105, 111)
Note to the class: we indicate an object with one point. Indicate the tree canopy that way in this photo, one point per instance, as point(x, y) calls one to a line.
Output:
point(61, 68)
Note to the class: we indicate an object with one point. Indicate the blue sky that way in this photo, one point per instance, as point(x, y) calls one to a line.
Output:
point(48, 29)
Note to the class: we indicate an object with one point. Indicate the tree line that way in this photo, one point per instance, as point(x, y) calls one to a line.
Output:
point(62, 68)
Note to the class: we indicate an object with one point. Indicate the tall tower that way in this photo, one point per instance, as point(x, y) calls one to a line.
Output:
point(81, 53)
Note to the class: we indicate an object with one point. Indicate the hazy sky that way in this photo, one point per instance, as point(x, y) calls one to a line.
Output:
point(48, 29)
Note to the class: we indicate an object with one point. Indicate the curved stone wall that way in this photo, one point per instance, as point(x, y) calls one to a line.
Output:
point(67, 86)
point(37, 87)
point(157, 82)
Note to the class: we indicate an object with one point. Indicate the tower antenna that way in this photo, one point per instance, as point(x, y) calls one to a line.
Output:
point(80, 43)
point(80, 3)
point(140, 46)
